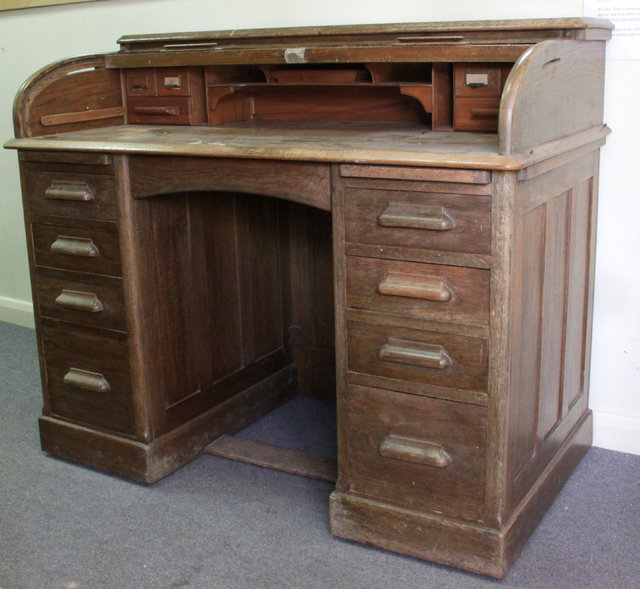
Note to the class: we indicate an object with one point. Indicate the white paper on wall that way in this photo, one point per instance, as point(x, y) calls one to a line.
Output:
point(625, 15)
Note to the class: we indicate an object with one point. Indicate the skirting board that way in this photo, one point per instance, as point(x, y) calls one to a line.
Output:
point(17, 312)
point(616, 432)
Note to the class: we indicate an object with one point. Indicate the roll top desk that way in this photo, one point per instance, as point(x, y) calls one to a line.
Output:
point(398, 217)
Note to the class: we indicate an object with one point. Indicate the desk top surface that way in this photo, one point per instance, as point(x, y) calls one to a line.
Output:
point(359, 143)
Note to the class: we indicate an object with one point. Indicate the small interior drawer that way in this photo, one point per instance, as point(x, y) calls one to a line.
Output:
point(69, 194)
point(88, 378)
point(140, 82)
point(165, 110)
point(78, 245)
point(476, 114)
point(420, 291)
point(421, 220)
point(416, 451)
point(477, 80)
point(416, 356)
point(177, 81)
point(83, 299)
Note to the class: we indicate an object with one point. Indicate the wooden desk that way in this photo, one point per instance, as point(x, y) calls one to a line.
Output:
point(399, 217)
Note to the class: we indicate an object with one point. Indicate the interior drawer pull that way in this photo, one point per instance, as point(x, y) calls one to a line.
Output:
point(63, 190)
point(432, 218)
point(415, 353)
point(428, 288)
point(171, 111)
point(414, 450)
point(79, 301)
point(90, 381)
point(484, 114)
point(75, 246)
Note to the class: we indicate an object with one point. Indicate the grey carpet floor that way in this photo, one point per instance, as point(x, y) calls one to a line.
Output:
point(221, 524)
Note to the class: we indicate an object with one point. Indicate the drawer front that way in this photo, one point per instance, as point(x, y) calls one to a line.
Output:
point(177, 81)
point(477, 80)
point(421, 291)
point(67, 194)
point(417, 356)
point(88, 378)
point(140, 82)
point(416, 451)
point(476, 114)
point(435, 221)
point(83, 247)
point(166, 110)
point(81, 300)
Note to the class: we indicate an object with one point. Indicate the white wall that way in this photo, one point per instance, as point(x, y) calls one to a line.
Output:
point(35, 37)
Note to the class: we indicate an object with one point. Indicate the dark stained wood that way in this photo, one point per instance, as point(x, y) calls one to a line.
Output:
point(149, 462)
point(283, 459)
point(462, 294)
point(68, 348)
point(39, 181)
point(72, 86)
point(456, 488)
point(50, 284)
point(102, 235)
point(468, 368)
point(322, 225)
point(469, 233)
point(307, 183)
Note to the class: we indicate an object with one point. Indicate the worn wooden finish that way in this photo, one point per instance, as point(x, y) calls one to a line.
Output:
point(96, 200)
point(420, 291)
point(307, 183)
point(457, 489)
point(321, 224)
point(547, 82)
point(403, 216)
point(344, 142)
point(151, 461)
point(79, 85)
point(283, 459)
point(70, 348)
point(104, 301)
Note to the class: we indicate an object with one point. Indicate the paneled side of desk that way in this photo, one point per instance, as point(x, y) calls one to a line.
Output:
point(463, 405)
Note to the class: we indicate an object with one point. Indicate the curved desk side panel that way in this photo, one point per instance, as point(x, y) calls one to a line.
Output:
point(69, 95)
point(555, 89)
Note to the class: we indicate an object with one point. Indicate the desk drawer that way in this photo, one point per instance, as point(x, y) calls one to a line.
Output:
point(416, 451)
point(421, 291)
point(444, 222)
point(67, 194)
point(88, 378)
point(167, 110)
point(83, 299)
point(80, 246)
point(416, 356)
point(476, 114)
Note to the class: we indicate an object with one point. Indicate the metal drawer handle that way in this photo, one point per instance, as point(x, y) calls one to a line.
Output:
point(63, 190)
point(75, 246)
point(414, 450)
point(428, 288)
point(171, 111)
point(79, 301)
point(432, 218)
point(415, 353)
point(172, 82)
point(90, 381)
